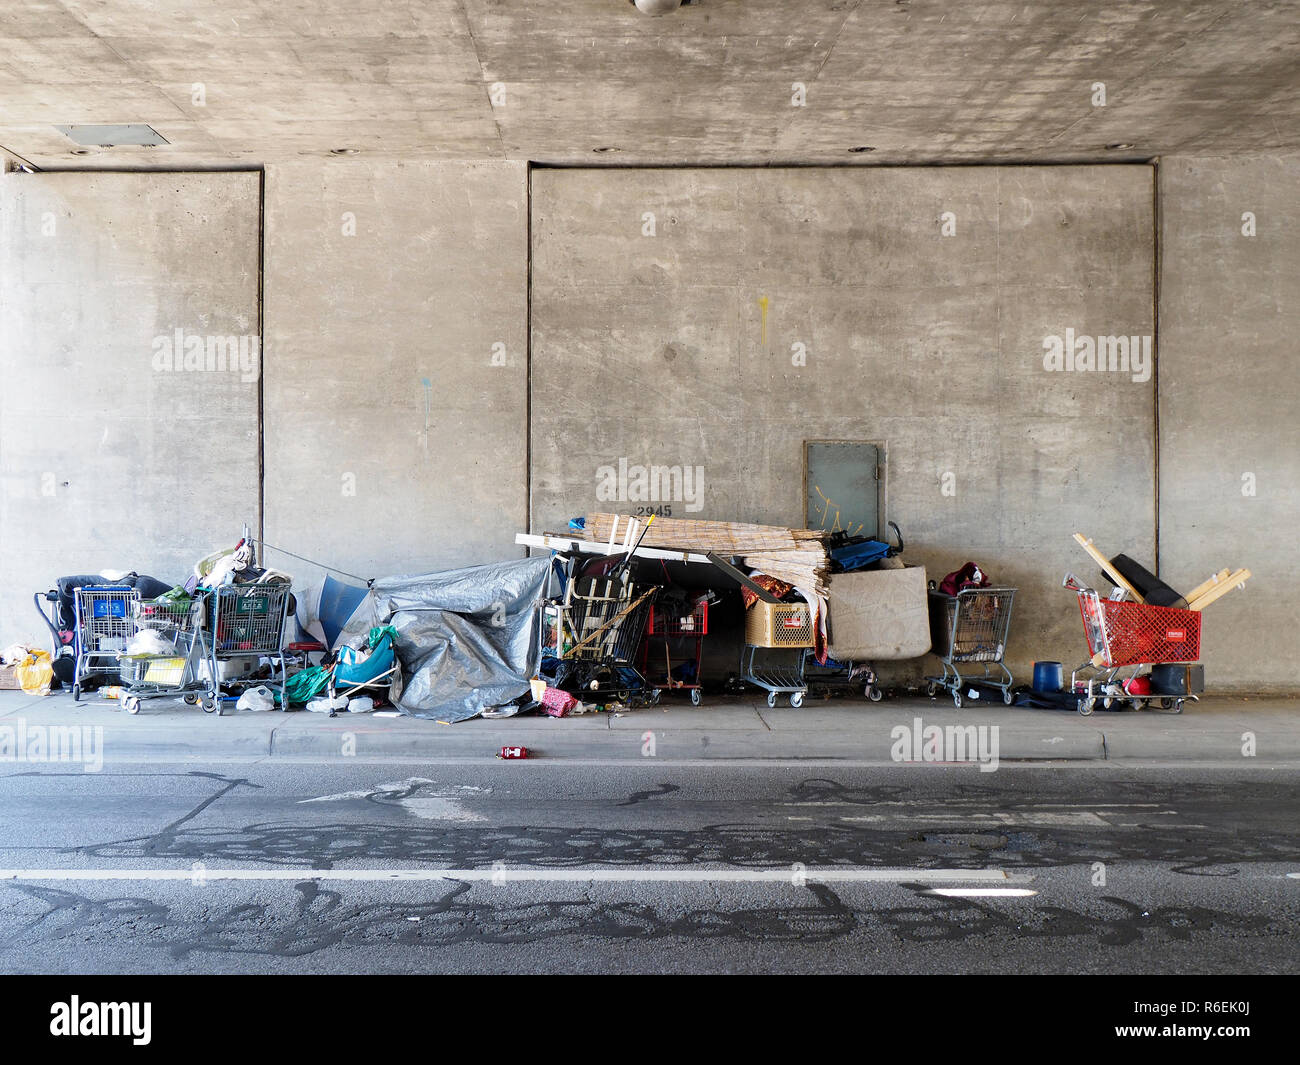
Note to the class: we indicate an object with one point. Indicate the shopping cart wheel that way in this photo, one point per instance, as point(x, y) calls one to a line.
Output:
point(1007, 697)
point(874, 694)
point(771, 698)
point(211, 704)
point(1178, 706)
point(930, 689)
point(1085, 706)
point(956, 698)
point(190, 699)
point(796, 699)
point(131, 704)
point(76, 693)
point(1166, 704)
point(695, 696)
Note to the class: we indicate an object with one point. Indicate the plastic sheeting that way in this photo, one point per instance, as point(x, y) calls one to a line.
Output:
point(467, 638)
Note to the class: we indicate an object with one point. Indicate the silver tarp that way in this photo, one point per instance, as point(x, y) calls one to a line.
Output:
point(467, 638)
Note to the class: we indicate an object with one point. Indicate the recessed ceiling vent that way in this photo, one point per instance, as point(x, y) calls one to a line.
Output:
point(135, 135)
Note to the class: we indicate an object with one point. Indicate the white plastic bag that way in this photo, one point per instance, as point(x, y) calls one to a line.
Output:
point(325, 705)
point(259, 698)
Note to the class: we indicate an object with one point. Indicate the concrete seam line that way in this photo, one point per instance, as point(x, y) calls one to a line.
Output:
point(786, 874)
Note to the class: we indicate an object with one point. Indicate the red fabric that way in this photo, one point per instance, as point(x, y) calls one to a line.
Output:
point(778, 588)
point(969, 576)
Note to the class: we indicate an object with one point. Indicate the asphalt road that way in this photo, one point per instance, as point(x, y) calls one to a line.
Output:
point(1114, 870)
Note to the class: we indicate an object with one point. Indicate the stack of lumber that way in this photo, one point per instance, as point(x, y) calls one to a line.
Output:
point(1211, 591)
point(796, 556)
point(1216, 588)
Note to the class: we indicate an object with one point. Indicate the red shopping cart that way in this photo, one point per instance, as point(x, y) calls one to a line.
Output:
point(682, 625)
point(1123, 635)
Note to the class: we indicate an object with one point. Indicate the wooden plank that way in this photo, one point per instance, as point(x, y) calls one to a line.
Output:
point(569, 544)
point(1220, 590)
point(1109, 570)
point(1205, 586)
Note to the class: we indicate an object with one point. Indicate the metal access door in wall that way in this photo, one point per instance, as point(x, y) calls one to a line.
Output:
point(844, 486)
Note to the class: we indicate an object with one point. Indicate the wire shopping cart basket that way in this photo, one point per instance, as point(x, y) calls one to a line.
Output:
point(106, 622)
point(686, 626)
point(1121, 635)
point(176, 672)
point(248, 622)
point(970, 628)
point(592, 634)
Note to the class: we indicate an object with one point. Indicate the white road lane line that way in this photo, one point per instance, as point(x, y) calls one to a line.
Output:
point(819, 875)
point(981, 893)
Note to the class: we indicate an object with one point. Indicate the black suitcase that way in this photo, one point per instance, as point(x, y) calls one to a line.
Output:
point(1177, 678)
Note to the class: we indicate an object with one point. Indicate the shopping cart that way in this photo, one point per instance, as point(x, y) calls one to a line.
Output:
point(778, 637)
point(106, 622)
point(1124, 635)
point(970, 628)
point(686, 626)
point(247, 621)
point(589, 638)
point(177, 671)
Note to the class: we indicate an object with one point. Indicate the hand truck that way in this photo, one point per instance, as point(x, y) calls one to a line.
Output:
point(971, 627)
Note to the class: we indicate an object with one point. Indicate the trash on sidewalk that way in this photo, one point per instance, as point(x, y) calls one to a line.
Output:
point(26, 669)
point(511, 753)
point(557, 702)
point(259, 698)
point(33, 672)
point(326, 705)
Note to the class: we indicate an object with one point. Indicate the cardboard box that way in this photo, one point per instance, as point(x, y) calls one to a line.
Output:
point(9, 679)
point(879, 615)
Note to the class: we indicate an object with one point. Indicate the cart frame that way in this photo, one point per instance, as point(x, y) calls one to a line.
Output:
point(152, 676)
point(104, 612)
point(242, 627)
point(1124, 635)
point(602, 625)
point(665, 628)
point(971, 627)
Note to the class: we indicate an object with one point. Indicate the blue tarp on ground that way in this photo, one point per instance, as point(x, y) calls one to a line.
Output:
point(467, 638)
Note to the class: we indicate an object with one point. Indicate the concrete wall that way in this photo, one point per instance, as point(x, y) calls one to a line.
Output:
point(381, 276)
point(654, 349)
point(1230, 405)
point(396, 308)
point(108, 458)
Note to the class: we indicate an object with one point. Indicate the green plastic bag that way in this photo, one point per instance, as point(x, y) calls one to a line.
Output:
point(306, 684)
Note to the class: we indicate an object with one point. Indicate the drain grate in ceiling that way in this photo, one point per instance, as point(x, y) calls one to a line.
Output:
point(114, 136)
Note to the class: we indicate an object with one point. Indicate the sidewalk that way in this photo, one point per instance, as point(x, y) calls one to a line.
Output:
point(724, 729)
